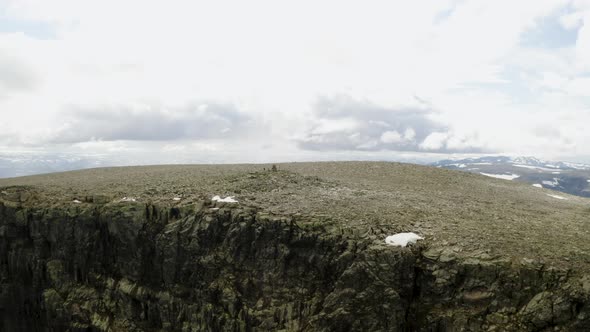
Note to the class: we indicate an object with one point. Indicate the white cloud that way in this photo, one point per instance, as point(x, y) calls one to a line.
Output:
point(335, 125)
point(461, 61)
point(389, 137)
point(435, 141)
point(342, 123)
point(572, 21)
point(579, 87)
point(409, 134)
point(552, 81)
point(394, 137)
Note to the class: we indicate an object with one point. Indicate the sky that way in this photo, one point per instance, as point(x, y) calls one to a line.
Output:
point(151, 82)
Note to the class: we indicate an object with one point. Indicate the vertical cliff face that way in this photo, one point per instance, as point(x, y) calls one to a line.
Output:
point(138, 267)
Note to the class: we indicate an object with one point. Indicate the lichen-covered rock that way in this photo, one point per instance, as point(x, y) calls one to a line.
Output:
point(142, 267)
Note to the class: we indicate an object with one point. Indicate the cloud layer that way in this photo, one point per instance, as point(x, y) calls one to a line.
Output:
point(153, 123)
point(305, 78)
point(343, 123)
point(15, 76)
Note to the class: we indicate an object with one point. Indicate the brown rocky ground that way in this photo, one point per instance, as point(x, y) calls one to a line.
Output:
point(466, 212)
point(303, 250)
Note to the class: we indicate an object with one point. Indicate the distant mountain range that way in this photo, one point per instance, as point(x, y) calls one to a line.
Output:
point(14, 164)
point(571, 178)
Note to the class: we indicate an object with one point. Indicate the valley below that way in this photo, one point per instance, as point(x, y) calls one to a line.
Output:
point(570, 178)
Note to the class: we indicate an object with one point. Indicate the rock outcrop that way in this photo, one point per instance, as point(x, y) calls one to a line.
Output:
point(130, 266)
point(301, 248)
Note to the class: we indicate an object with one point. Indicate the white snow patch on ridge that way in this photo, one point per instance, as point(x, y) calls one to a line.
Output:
point(76, 201)
point(456, 165)
point(535, 167)
point(402, 239)
point(556, 196)
point(553, 183)
point(577, 166)
point(538, 185)
point(502, 176)
point(228, 199)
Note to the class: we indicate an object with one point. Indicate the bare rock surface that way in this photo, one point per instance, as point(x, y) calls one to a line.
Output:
point(302, 249)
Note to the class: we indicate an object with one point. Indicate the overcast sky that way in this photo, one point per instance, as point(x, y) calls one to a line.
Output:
point(258, 81)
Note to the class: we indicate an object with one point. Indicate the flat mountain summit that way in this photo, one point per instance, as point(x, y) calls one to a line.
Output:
point(450, 209)
point(294, 247)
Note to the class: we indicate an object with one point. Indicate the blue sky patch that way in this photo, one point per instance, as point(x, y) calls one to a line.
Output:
point(33, 29)
point(548, 33)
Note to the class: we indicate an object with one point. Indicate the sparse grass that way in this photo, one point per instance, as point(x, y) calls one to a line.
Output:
point(464, 210)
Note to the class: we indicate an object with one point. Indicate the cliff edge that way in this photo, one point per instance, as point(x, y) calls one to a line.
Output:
point(302, 249)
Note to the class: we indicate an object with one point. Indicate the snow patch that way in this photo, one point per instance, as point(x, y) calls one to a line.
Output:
point(455, 165)
point(228, 199)
point(176, 199)
point(527, 161)
point(577, 166)
point(553, 183)
point(501, 176)
point(402, 239)
point(128, 199)
point(538, 185)
point(556, 196)
point(535, 167)
point(76, 201)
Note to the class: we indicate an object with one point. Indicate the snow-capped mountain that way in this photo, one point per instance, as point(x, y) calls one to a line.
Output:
point(571, 178)
point(532, 161)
